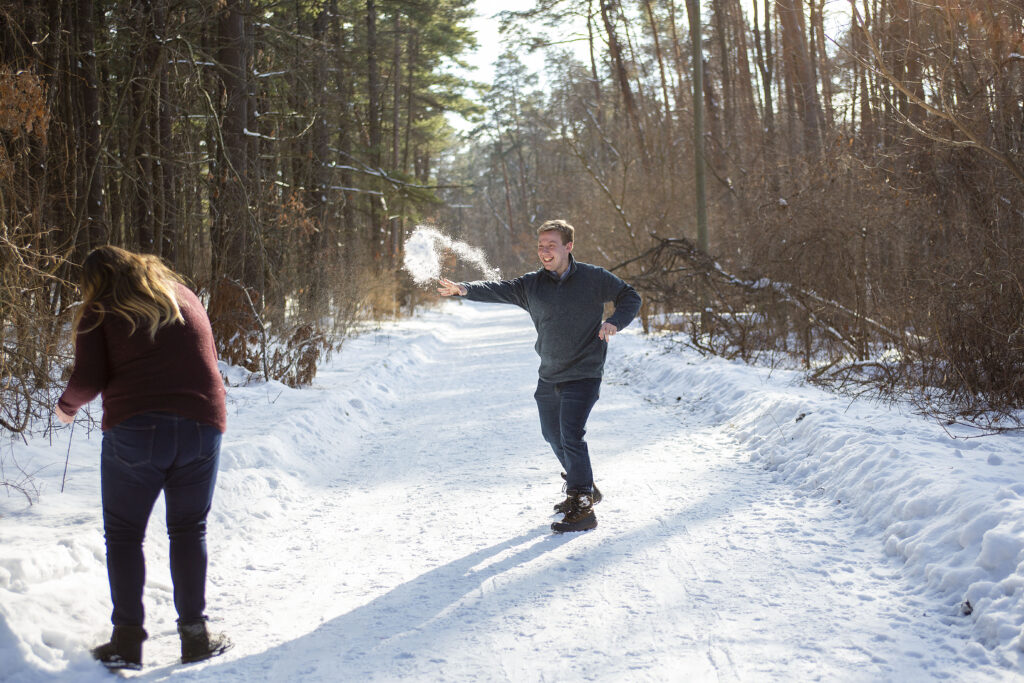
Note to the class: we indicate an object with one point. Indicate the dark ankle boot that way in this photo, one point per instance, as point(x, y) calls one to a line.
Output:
point(124, 651)
point(580, 516)
point(197, 643)
point(566, 505)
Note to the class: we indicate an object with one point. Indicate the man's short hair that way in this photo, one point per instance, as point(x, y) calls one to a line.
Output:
point(567, 232)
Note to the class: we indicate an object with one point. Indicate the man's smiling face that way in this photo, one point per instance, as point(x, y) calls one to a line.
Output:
point(554, 255)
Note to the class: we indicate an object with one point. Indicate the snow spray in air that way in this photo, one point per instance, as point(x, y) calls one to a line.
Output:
point(426, 247)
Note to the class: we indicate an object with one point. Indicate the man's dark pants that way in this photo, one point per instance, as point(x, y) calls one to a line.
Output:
point(564, 408)
point(141, 456)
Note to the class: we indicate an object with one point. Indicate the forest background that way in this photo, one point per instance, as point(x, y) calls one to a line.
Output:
point(835, 185)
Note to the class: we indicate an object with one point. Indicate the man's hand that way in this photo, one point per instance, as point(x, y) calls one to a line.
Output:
point(449, 288)
point(62, 416)
point(606, 331)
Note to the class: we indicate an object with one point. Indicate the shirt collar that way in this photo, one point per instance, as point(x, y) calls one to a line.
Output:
point(568, 271)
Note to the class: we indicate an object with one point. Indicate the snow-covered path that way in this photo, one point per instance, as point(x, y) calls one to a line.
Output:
point(429, 556)
point(392, 523)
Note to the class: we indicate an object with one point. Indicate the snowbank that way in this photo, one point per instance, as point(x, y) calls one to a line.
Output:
point(54, 597)
point(948, 503)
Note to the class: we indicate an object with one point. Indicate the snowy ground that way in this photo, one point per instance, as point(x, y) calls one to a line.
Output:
point(391, 522)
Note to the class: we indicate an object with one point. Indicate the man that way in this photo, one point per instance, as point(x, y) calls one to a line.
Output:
point(566, 300)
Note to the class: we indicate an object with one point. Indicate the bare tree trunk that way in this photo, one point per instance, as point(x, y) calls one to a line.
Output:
point(713, 122)
point(860, 75)
point(96, 226)
point(680, 63)
point(594, 77)
point(351, 237)
point(906, 55)
point(658, 55)
point(508, 187)
point(766, 65)
point(410, 100)
point(321, 243)
point(746, 105)
point(373, 116)
point(824, 64)
point(232, 217)
point(693, 10)
point(609, 8)
point(142, 108)
point(168, 231)
point(727, 105)
point(794, 41)
point(396, 109)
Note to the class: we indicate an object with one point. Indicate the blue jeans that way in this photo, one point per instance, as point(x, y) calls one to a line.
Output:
point(140, 457)
point(564, 408)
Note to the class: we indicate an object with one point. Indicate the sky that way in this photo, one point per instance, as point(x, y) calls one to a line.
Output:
point(490, 45)
point(488, 34)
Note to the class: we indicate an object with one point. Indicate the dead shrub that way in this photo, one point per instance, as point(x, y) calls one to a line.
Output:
point(975, 349)
point(237, 327)
point(910, 293)
point(33, 346)
point(23, 106)
point(286, 338)
point(244, 338)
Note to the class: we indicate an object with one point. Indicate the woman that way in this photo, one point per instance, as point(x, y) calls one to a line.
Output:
point(143, 341)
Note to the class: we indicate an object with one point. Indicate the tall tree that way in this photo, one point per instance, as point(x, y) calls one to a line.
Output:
point(231, 209)
point(798, 60)
point(693, 11)
point(96, 228)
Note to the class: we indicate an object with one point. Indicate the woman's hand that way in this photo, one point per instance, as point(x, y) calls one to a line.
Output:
point(62, 416)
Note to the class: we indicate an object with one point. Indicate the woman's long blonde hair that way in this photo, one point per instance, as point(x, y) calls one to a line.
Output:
point(137, 287)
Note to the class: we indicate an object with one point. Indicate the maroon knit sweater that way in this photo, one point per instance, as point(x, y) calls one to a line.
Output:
point(176, 373)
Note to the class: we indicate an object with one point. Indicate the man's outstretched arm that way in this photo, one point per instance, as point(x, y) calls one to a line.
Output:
point(488, 291)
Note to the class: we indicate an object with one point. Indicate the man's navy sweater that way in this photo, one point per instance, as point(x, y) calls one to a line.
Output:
point(567, 313)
